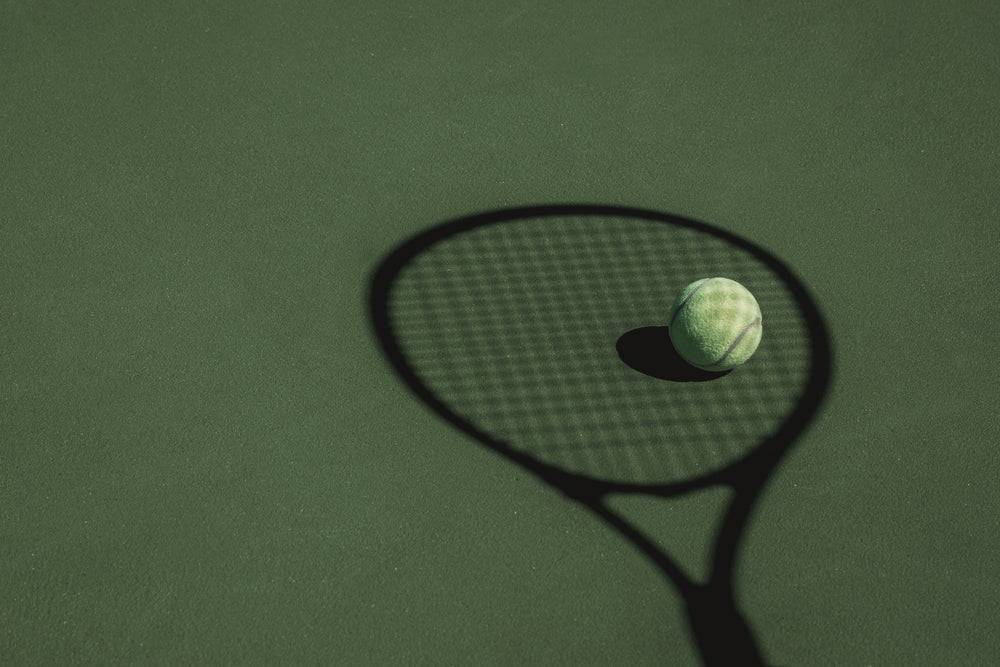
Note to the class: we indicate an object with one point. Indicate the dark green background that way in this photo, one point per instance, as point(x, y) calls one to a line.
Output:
point(204, 457)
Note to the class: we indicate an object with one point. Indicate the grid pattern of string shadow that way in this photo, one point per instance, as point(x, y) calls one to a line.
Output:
point(513, 326)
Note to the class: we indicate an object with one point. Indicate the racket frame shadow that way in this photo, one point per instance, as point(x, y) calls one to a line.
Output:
point(718, 628)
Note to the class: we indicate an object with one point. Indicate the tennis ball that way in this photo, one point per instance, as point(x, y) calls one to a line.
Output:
point(715, 324)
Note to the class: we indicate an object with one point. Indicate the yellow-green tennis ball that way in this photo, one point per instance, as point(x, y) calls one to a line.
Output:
point(715, 324)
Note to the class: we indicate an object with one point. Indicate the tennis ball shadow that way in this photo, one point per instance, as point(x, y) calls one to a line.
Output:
point(649, 351)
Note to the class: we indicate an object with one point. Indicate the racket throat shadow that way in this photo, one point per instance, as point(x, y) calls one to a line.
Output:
point(720, 631)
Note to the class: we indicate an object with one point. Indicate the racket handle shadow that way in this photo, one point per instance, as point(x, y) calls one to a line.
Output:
point(720, 632)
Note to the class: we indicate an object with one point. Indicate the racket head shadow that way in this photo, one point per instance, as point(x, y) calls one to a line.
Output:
point(541, 332)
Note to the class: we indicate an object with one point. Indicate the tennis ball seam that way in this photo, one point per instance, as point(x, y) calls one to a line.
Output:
point(683, 303)
point(736, 343)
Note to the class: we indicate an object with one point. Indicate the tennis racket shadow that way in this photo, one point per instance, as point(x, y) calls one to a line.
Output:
point(538, 333)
